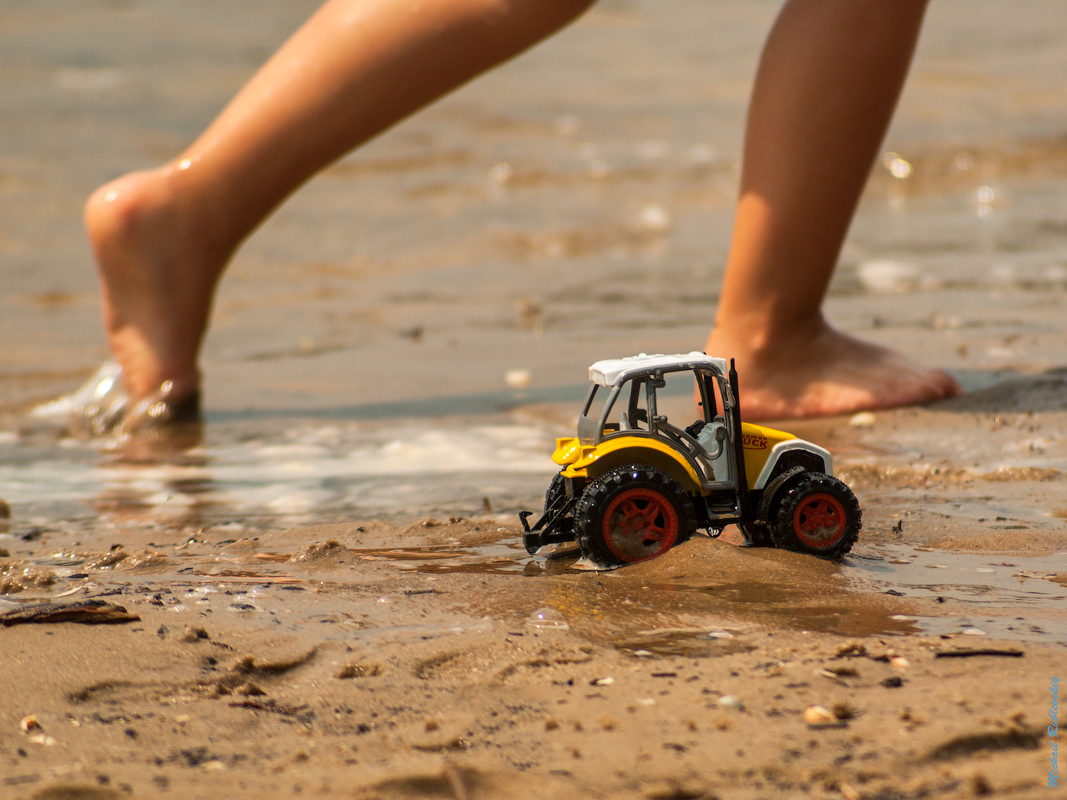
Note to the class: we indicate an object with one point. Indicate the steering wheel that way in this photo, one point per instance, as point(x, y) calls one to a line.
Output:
point(679, 435)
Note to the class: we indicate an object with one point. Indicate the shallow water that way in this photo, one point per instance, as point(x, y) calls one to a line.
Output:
point(989, 583)
point(308, 473)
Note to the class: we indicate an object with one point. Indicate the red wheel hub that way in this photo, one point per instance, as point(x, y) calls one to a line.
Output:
point(819, 520)
point(639, 524)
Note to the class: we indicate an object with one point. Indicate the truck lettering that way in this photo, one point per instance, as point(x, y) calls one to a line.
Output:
point(753, 441)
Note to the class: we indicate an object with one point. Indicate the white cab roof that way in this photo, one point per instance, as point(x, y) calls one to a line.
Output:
point(613, 370)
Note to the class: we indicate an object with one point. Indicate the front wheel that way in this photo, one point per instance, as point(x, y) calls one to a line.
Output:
point(555, 497)
point(817, 514)
point(632, 514)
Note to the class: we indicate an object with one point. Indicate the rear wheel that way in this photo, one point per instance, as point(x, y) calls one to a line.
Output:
point(632, 514)
point(758, 531)
point(756, 534)
point(816, 514)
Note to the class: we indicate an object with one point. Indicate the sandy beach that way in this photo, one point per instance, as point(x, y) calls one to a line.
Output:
point(322, 591)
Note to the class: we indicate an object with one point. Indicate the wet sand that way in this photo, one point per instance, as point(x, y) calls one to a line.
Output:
point(330, 592)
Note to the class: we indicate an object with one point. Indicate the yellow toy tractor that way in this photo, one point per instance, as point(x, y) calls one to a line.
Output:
point(633, 485)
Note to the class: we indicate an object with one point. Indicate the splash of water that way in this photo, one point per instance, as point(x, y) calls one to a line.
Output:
point(102, 407)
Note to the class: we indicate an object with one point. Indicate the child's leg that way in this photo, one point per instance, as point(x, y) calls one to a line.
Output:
point(826, 88)
point(163, 237)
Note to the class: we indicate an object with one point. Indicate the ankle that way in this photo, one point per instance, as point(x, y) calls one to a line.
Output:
point(151, 218)
point(759, 338)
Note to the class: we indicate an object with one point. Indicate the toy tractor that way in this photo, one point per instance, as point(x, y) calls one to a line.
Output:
point(633, 485)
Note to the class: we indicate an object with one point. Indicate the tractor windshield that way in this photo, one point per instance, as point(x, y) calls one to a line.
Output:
point(589, 427)
point(642, 400)
point(634, 406)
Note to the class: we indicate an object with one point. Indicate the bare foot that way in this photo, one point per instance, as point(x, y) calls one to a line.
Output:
point(158, 269)
point(823, 373)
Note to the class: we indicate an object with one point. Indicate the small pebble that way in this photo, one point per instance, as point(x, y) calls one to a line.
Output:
point(851, 648)
point(730, 701)
point(353, 670)
point(501, 174)
point(887, 277)
point(518, 378)
point(865, 419)
point(654, 219)
point(718, 635)
point(194, 634)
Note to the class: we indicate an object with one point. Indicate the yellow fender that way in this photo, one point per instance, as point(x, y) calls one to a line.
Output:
point(758, 443)
point(619, 451)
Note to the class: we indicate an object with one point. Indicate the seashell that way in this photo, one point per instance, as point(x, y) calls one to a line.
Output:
point(29, 723)
point(818, 716)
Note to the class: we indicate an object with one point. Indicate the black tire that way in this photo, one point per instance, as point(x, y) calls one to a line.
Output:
point(816, 514)
point(556, 489)
point(757, 532)
point(632, 514)
point(557, 493)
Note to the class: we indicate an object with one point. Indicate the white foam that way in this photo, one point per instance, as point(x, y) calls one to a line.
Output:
point(313, 467)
